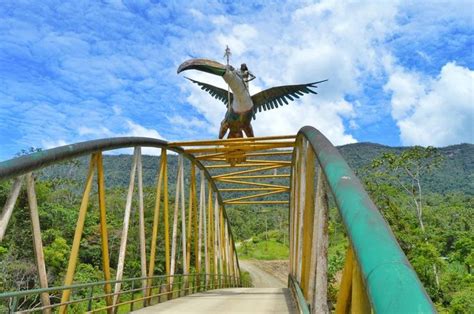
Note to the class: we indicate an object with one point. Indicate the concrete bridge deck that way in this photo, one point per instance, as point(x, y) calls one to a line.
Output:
point(232, 300)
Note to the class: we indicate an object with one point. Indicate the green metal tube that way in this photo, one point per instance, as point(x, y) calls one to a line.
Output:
point(392, 284)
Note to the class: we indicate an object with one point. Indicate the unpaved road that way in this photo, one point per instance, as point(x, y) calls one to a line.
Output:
point(261, 278)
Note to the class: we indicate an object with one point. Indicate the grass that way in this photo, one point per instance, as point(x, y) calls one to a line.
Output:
point(263, 250)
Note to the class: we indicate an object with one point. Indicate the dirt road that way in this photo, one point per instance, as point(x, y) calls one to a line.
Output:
point(261, 278)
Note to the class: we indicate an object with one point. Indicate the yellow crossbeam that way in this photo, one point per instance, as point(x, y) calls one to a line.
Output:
point(214, 159)
point(270, 161)
point(256, 195)
point(249, 189)
point(244, 165)
point(257, 202)
point(230, 174)
point(249, 161)
point(210, 156)
point(231, 140)
point(253, 183)
point(244, 148)
point(272, 153)
point(261, 176)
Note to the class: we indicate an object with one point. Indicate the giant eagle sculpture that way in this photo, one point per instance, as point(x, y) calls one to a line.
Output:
point(243, 107)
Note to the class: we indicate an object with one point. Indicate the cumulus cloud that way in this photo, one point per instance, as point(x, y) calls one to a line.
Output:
point(433, 111)
point(73, 71)
point(342, 46)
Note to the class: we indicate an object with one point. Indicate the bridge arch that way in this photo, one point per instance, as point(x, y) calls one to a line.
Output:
point(377, 276)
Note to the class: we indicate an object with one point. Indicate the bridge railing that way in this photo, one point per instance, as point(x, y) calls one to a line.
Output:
point(377, 275)
point(131, 293)
point(205, 244)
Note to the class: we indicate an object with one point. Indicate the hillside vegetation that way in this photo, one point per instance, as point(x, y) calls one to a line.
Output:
point(441, 252)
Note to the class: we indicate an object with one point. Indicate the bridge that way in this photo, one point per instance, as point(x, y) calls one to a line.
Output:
point(303, 172)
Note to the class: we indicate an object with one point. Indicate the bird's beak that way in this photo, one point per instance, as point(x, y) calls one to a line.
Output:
point(204, 65)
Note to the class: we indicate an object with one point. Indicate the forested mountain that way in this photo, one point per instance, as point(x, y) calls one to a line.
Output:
point(455, 174)
point(445, 243)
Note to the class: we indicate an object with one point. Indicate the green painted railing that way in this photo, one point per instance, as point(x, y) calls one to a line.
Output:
point(132, 296)
point(391, 284)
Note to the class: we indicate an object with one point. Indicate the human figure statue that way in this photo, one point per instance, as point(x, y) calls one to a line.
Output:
point(243, 107)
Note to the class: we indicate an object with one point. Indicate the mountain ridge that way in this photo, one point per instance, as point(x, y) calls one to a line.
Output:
point(456, 172)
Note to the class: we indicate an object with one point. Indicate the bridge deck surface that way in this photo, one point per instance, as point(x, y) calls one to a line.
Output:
point(233, 300)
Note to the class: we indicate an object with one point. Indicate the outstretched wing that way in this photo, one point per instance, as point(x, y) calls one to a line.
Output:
point(273, 97)
point(215, 92)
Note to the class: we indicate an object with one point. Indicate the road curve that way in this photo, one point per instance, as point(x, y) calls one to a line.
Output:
point(261, 278)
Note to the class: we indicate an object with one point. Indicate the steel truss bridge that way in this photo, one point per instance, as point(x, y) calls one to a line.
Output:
point(298, 171)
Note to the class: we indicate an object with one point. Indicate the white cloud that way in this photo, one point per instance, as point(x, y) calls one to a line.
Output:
point(135, 129)
point(97, 131)
point(47, 144)
point(406, 88)
point(283, 49)
point(187, 124)
point(117, 109)
point(434, 111)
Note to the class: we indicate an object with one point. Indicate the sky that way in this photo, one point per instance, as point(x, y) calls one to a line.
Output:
point(400, 73)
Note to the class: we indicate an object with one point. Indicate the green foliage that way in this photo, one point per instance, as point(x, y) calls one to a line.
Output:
point(263, 250)
point(447, 191)
point(56, 254)
point(268, 245)
point(463, 301)
point(435, 231)
point(246, 279)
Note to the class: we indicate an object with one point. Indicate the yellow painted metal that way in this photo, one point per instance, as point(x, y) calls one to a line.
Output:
point(308, 227)
point(37, 241)
point(210, 156)
point(242, 148)
point(297, 176)
point(230, 174)
point(156, 218)
point(166, 214)
point(216, 159)
point(221, 156)
point(291, 218)
point(359, 301)
point(195, 219)
point(345, 289)
point(266, 161)
point(257, 202)
point(210, 235)
point(256, 195)
point(244, 165)
point(103, 228)
point(231, 258)
point(71, 268)
point(272, 153)
point(191, 205)
point(300, 211)
point(269, 176)
point(206, 229)
point(253, 183)
point(231, 140)
point(251, 189)
point(223, 245)
point(248, 161)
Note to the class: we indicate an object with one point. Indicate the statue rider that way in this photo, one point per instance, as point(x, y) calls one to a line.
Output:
point(228, 123)
point(245, 74)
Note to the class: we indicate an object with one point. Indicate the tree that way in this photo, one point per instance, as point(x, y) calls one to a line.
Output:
point(407, 170)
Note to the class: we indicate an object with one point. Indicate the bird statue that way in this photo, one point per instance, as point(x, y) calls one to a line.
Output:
point(241, 107)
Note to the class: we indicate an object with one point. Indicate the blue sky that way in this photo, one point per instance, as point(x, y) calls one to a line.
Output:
point(400, 73)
